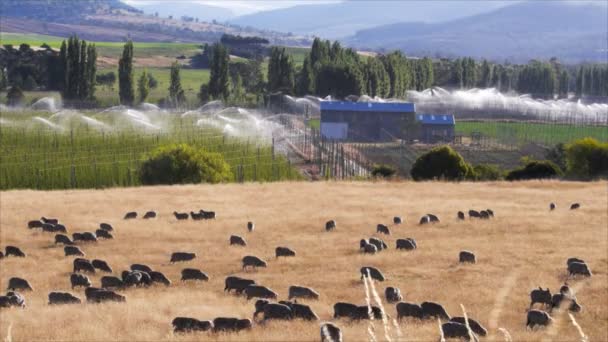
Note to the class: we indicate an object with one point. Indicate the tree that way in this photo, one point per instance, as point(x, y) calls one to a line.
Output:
point(143, 86)
point(91, 66)
point(441, 163)
point(306, 79)
point(125, 75)
point(203, 94)
point(14, 96)
point(3, 80)
point(219, 82)
point(237, 89)
point(378, 82)
point(281, 75)
point(83, 77)
point(176, 93)
point(536, 169)
point(587, 159)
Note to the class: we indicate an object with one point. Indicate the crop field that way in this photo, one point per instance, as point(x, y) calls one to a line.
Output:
point(76, 151)
point(523, 247)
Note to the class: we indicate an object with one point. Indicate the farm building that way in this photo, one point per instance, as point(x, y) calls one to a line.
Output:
point(436, 128)
point(365, 121)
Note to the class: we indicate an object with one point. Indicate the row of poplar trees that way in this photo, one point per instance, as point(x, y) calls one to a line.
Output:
point(78, 64)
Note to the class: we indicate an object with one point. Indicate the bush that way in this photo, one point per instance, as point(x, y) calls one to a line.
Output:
point(441, 163)
point(536, 169)
point(587, 159)
point(557, 154)
point(183, 164)
point(486, 172)
point(383, 170)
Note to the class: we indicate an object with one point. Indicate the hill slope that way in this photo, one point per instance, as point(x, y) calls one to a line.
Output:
point(183, 8)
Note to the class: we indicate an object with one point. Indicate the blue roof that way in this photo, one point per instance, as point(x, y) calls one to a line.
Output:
point(396, 107)
point(436, 119)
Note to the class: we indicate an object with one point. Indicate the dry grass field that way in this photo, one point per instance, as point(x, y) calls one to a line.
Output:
point(523, 247)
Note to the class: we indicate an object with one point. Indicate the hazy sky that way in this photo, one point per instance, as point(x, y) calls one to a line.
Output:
point(241, 7)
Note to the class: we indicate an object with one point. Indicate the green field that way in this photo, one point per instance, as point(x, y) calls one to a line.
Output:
point(33, 155)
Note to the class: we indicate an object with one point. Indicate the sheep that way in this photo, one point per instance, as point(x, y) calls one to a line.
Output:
point(277, 311)
point(237, 240)
point(571, 260)
point(149, 215)
point(374, 273)
point(104, 234)
point(237, 283)
point(490, 212)
point(379, 243)
point(467, 256)
point(296, 291)
point(141, 267)
point(12, 299)
point(14, 251)
point(77, 237)
point(250, 226)
point(397, 220)
point(158, 277)
point(49, 220)
point(484, 215)
point(64, 239)
point(182, 256)
point(424, 220)
point(49, 228)
point(258, 291)
point(460, 215)
point(330, 225)
point(1, 255)
point(363, 243)
point(72, 250)
point(81, 264)
point(302, 311)
point(130, 215)
point(540, 296)
point(106, 226)
point(97, 295)
point(89, 237)
point(370, 249)
point(111, 282)
point(63, 298)
point(575, 268)
point(409, 310)
point(558, 298)
point(259, 306)
point(457, 330)
point(432, 309)
point(186, 324)
point(79, 280)
point(181, 216)
point(433, 218)
point(566, 290)
point(393, 294)
point(229, 324)
point(194, 274)
point(537, 317)
point(253, 261)
point(34, 224)
point(101, 265)
point(16, 283)
point(363, 312)
point(551, 206)
point(284, 252)
point(330, 333)
point(136, 278)
point(474, 213)
point(408, 244)
point(342, 309)
point(382, 229)
point(575, 206)
point(196, 216)
point(208, 215)
point(475, 326)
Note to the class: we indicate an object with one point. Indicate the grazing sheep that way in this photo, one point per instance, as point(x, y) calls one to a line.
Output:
point(457, 330)
point(136, 278)
point(250, 226)
point(104, 234)
point(571, 260)
point(12, 299)
point(111, 282)
point(566, 290)
point(77, 237)
point(228, 324)
point(484, 215)
point(432, 309)
point(558, 298)
point(475, 326)
point(14, 251)
point(79, 280)
point(467, 256)
point(49, 220)
point(182, 256)
point(208, 215)
point(296, 291)
point(382, 229)
point(5, 302)
point(342, 309)
point(363, 312)
point(1, 255)
point(130, 215)
point(374, 273)
point(424, 220)
point(363, 243)
point(149, 215)
point(370, 249)
point(407, 244)
point(237, 283)
point(89, 237)
point(101, 265)
point(330, 333)
point(106, 226)
point(253, 261)
point(64, 239)
point(409, 310)
point(49, 228)
point(63, 298)
point(284, 252)
point(237, 240)
point(141, 267)
point(181, 216)
point(330, 225)
point(575, 268)
point(474, 213)
point(301, 311)
point(490, 212)
point(551, 206)
point(258, 291)
point(259, 306)
point(186, 324)
point(575, 206)
point(540, 296)
point(81, 264)
point(433, 218)
point(97, 295)
point(460, 215)
point(397, 220)
point(34, 224)
point(537, 317)
point(277, 311)
point(393, 294)
point(194, 274)
point(158, 277)
point(197, 216)
point(72, 250)
point(379, 243)
point(16, 283)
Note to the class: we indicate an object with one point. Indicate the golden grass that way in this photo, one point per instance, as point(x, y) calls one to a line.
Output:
point(523, 247)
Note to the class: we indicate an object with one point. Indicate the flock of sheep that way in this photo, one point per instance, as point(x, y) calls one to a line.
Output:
point(267, 306)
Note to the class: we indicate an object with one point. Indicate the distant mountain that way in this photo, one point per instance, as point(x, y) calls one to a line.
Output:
point(336, 20)
point(186, 8)
point(540, 29)
point(61, 10)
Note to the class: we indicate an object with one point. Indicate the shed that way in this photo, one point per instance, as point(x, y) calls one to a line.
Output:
point(436, 128)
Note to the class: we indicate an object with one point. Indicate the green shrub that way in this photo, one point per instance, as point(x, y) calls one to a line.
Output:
point(557, 154)
point(383, 170)
point(587, 159)
point(486, 172)
point(537, 169)
point(183, 164)
point(441, 163)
